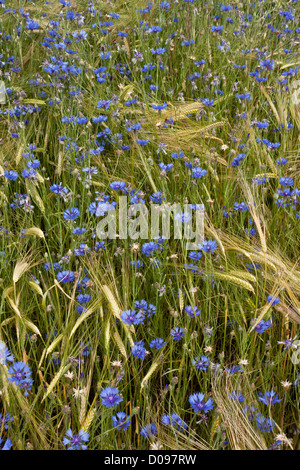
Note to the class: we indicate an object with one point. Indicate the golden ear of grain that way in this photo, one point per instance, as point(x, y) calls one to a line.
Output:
point(149, 373)
point(83, 317)
point(31, 326)
point(235, 280)
point(147, 170)
point(83, 406)
point(253, 211)
point(264, 91)
point(89, 419)
point(267, 175)
point(36, 287)
point(244, 275)
point(127, 47)
point(215, 425)
point(117, 311)
point(120, 344)
point(59, 163)
point(47, 351)
point(21, 267)
point(32, 191)
point(63, 369)
point(181, 300)
point(60, 288)
point(35, 231)
point(112, 302)
point(8, 291)
point(3, 196)
point(19, 154)
point(7, 321)
point(33, 101)
point(14, 306)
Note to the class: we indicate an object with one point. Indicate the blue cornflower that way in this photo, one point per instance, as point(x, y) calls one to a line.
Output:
point(159, 106)
point(104, 104)
point(65, 276)
point(267, 64)
point(269, 398)
point(79, 230)
point(5, 420)
point(157, 197)
point(177, 333)
point(59, 189)
point(251, 231)
point(209, 246)
point(142, 142)
point(76, 441)
point(150, 310)
point(33, 163)
point(240, 206)
point(174, 420)
point(208, 102)
point(265, 425)
point(288, 343)
point(237, 160)
point(121, 421)
point(149, 248)
point(216, 29)
point(198, 172)
point(166, 166)
point(245, 96)
point(81, 309)
point(20, 374)
point(149, 430)
point(110, 397)
point(141, 304)
point(159, 51)
point(201, 363)
point(262, 326)
point(135, 127)
point(188, 43)
point(195, 255)
point(286, 181)
point(282, 161)
point(233, 370)
point(30, 174)
point(99, 246)
point(99, 119)
point(71, 214)
point(31, 24)
point(237, 396)
point(138, 349)
point(198, 404)
point(273, 300)
point(131, 317)
point(137, 264)
point(5, 354)
point(157, 343)
point(183, 217)
point(11, 175)
point(177, 155)
point(192, 311)
point(7, 444)
point(83, 298)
